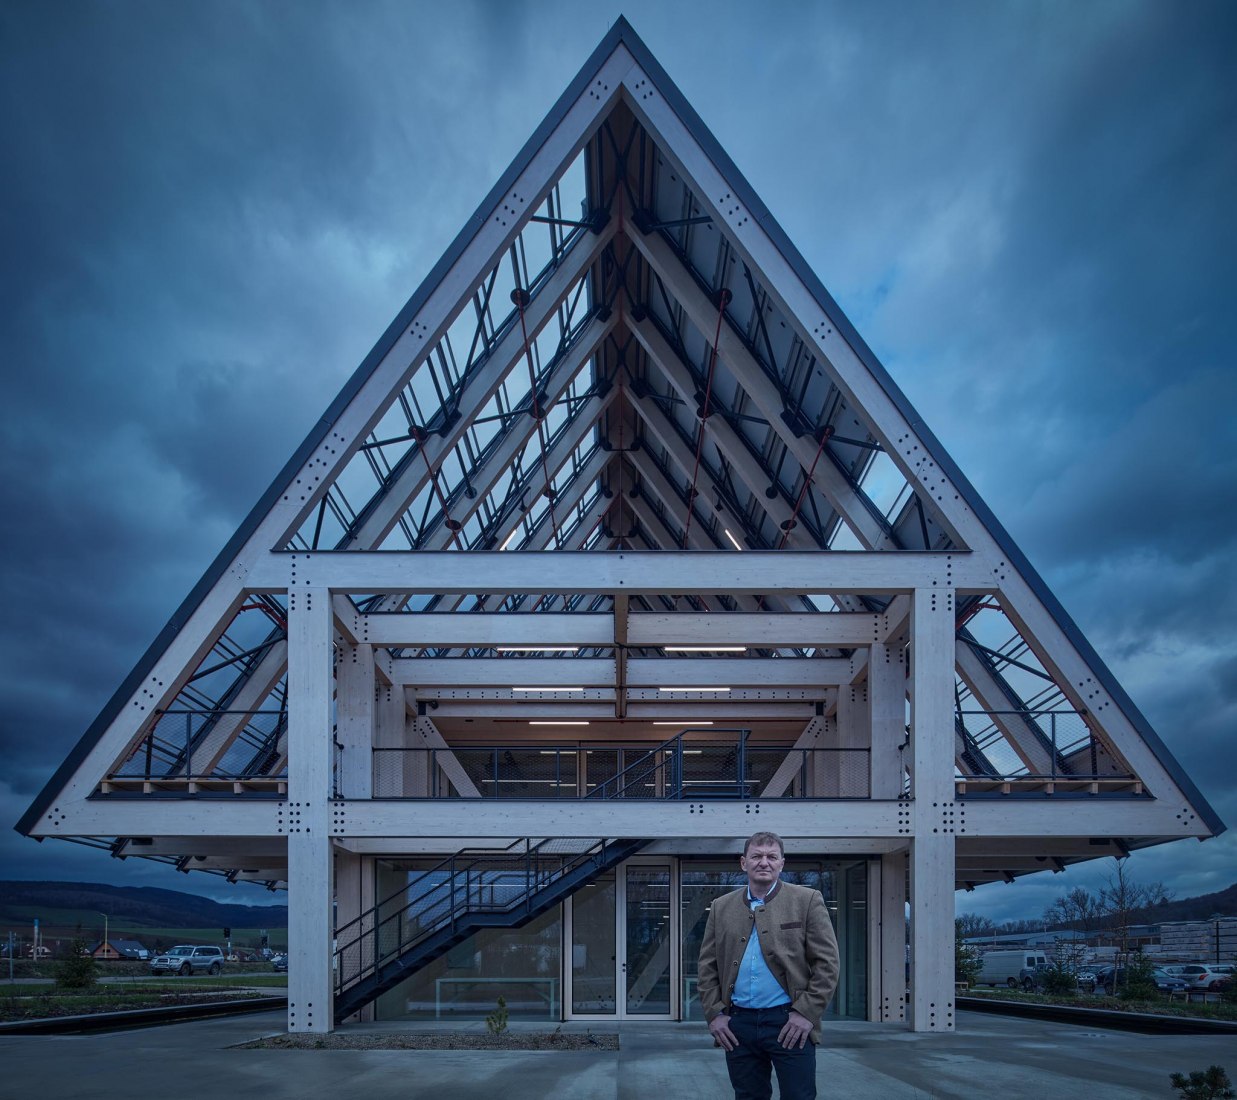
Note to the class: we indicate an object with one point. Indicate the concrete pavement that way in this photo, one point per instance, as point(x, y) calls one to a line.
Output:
point(988, 1055)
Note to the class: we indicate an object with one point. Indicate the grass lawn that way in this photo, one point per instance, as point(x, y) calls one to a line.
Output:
point(1193, 1009)
point(27, 1002)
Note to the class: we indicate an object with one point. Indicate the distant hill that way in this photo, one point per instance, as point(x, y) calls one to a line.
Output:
point(136, 905)
point(1223, 902)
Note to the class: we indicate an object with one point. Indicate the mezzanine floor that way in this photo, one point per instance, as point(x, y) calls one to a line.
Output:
point(1020, 1058)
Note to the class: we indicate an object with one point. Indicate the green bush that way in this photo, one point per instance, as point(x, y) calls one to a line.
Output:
point(1059, 980)
point(77, 970)
point(1139, 984)
point(1209, 1084)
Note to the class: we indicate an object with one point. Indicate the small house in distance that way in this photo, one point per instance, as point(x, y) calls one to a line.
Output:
point(113, 948)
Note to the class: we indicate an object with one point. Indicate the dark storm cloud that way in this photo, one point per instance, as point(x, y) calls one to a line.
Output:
point(212, 211)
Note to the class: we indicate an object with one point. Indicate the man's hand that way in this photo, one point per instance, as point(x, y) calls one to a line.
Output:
point(719, 1028)
point(795, 1033)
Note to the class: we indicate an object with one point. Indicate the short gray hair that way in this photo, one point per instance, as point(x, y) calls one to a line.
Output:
point(764, 838)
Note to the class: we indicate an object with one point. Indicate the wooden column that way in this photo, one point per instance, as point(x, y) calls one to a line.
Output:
point(305, 815)
point(935, 813)
point(890, 964)
point(887, 706)
point(354, 720)
point(854, 732)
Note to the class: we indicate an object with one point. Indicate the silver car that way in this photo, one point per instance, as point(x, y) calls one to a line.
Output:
point(187, 960)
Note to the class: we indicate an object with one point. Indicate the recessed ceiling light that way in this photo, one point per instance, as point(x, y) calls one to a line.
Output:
point(705, 648)
point(538, 648)
point(547, 689)
point(557, 723)
point(685, 725)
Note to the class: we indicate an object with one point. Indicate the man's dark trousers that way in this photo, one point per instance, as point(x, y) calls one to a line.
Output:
point(759, 1051)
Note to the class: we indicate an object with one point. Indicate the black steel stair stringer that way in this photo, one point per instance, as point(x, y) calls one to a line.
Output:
point(468, 921)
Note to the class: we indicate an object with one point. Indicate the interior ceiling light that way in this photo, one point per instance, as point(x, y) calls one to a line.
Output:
point(538, 648)
point(684, 724)
point(705, 648)
point(510, 539)
point(693, 689)
point(547, 689)
point(733, 541)
point(555, 722)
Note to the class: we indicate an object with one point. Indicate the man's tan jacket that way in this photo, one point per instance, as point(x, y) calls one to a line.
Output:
point(796, 939)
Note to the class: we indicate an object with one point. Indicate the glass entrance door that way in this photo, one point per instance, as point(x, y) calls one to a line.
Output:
point(624, 945)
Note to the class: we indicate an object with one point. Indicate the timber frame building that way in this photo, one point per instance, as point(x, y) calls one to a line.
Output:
point(620, 546)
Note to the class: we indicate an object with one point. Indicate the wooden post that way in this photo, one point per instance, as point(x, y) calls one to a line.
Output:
point(891, 963)
point(935, 814)
point(887, 706)
point(305, 815)
point(354, 720)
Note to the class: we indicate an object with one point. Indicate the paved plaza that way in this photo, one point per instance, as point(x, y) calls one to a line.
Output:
point(988, 1055)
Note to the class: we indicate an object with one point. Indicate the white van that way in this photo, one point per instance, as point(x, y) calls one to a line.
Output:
point(1011, 968)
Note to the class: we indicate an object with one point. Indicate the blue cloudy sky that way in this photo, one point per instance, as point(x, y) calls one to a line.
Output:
point(211, 211)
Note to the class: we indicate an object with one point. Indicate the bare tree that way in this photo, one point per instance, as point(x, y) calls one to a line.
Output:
point(970, 925)
point(1123, 900)
point(1078, 910)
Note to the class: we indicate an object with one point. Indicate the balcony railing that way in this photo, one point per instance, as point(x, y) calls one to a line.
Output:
point(682, 768)
point(188, 750)
point(1075, 758)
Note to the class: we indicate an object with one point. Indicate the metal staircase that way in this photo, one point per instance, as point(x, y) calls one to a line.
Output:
point(468, 891)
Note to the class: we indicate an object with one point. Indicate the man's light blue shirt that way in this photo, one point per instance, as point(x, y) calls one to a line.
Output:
point(756, 987)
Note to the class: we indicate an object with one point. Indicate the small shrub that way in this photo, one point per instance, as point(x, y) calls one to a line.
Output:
point(967, 963)
point(1209, 1084)
point(496, 1021)
point(1059, 980)
point(1139, 982)
point(77, 971)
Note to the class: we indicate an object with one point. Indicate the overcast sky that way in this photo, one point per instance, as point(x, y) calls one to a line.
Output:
point(211, 212)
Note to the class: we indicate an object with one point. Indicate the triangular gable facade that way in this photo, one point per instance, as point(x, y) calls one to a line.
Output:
point(622, 419)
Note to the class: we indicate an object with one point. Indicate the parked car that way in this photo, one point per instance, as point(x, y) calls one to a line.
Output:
point(1108, 979)
point(1199, 976)
point(188, 959)
point(279, 962)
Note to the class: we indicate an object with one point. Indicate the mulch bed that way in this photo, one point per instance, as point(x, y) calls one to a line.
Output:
point(439, 1040)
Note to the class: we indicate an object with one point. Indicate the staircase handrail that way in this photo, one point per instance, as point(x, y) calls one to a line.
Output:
point(456, 911)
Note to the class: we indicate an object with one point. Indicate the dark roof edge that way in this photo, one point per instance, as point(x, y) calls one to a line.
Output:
point(395, 330)
point(747, 194)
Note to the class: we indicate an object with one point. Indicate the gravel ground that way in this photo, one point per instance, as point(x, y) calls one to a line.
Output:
point(440, 1040)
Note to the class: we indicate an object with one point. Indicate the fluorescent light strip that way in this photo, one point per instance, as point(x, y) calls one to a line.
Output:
point(510, 539)
point(705, 648)
point(733, 541)
point(538, 648)
point(693, 689)
point(551, 723)
point(685, 725)
point(547, 689)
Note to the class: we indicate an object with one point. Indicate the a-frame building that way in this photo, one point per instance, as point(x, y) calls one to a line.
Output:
point(619, 546)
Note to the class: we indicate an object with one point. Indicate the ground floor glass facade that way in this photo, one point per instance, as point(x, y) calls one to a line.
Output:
point(624, 946)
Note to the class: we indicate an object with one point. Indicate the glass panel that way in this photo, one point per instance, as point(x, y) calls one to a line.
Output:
point(648, 941)
point(594, 988)
point(704, 881)
point(852, 1000)
point(521, 965)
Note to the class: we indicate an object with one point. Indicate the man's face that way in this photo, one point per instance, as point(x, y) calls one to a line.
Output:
point(762, 864)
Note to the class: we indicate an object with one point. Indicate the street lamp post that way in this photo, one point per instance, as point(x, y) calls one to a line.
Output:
point(104, 916)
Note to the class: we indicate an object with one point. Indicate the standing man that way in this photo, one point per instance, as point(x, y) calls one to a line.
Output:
point(768, 966)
